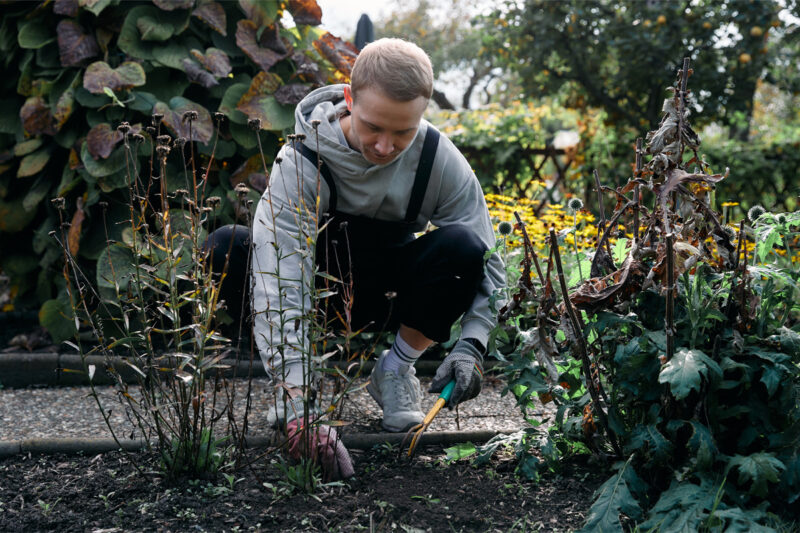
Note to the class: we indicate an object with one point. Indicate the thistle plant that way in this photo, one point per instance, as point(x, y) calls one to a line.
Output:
point(575, 205)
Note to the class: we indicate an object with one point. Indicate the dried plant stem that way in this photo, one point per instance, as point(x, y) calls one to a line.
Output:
point(636, 194)
point(529, 246)
point(602, 224)
point(607, 232)
point(591, 385)
point(670, 318)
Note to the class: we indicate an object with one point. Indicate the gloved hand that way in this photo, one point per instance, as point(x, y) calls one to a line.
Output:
point(464, 365)
point(323, 444)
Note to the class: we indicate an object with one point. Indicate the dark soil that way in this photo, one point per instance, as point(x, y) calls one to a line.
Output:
point(106, 493)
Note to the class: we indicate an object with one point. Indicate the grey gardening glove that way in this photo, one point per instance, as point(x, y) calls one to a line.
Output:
point(464, 365)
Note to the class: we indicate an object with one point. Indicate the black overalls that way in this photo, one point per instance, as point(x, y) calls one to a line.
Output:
point(387, 277)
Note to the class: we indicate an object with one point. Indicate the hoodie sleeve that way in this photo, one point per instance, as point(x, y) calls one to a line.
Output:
point(284, 230)
point(461, 201)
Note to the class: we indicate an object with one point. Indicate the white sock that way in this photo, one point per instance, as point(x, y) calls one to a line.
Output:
point(401, 356)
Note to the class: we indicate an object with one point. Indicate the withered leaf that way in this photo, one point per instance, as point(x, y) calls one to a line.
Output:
point(599, 293)
point(213, 14)
point(263, 83)
point(201, 129)
point(74, 234)
point(66, 7)
point(197, 74)
point(341, 54)
point(676, 177)
point(74, 46)
point(271, 38)
point(214, 60)
point(99, 75)
point(101, 140)
point(64, 107)
point(171, 5)
point(36, 117)
point(307, 69)
point(246, 40)
point(249, 171)
point(305, 12)
point(257, 12)
point(292, 93)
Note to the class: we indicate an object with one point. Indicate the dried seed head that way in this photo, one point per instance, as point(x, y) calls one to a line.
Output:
point(219, 117)
point(157, 118)
point(103, 204)
point(162, 151)
point(755, 212)
point(505, 228)
point(181, 192)
point(213, 201)
point(300, 137)
point(315, 123)
point(242, 189)
point(179, 142)
point(254, 124)
point(151, 131)
point(278, 160)
point(291, 137)
point(190, 115)
point(575, 204)
point(729, 232)
point(206, 209)
point(58, 202)
point(137, 138)
point(163, 140)
point(124, 128)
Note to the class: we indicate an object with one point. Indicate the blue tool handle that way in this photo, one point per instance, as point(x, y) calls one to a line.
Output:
point(448, 390)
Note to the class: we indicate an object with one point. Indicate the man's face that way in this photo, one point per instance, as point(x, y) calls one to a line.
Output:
point(381, 127)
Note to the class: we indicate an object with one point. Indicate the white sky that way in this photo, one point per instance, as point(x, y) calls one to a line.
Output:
point(341, 16)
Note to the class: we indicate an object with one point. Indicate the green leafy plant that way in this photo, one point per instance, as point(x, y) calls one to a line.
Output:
point(677, 359)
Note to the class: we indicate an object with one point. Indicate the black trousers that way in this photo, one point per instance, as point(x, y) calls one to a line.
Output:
point(426, 283)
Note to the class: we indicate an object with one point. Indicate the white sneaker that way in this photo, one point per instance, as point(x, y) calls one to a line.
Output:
point(399, 395)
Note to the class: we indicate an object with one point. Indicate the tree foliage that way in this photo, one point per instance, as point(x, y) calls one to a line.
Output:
point(619, 55)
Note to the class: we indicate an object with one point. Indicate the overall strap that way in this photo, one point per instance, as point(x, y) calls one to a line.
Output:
point(423, 174)
point(317, 161)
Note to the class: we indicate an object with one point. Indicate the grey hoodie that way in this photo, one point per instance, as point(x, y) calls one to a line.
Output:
point(283, 272)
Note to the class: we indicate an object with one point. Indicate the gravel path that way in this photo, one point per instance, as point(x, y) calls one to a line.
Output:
point(72, 412)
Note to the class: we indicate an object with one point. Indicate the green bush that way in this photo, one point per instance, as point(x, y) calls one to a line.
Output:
point(73, 71)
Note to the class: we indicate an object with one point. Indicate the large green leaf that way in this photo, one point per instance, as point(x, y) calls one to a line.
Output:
point(58, 319)
point(684, 371)
point(702, 444)
point(273, 115)
point(33, 163)
point(610, 500)
point(34, 34)
point(682, 508)
point(761, 468)
point(154, 29)
point(115, 266)
point(227, 105)
point(36, 193)
point(13, 218)
point(738, 520)
point(26, 147)
point(75, 46)
point(100, 75)
point(96, 6)
point(103, 167)
point(9, 116)
point(648, 440)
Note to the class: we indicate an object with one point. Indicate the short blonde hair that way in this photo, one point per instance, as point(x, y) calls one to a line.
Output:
point(401, 69)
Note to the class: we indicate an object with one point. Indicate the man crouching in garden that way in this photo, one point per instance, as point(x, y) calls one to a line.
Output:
point(385, 175)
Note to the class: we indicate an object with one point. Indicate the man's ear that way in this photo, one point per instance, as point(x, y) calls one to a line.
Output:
point(348, 97)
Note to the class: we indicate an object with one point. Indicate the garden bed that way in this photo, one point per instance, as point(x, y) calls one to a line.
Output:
point(106, 493)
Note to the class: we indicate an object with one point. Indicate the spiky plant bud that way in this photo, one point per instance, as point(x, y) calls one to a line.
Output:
point(755, 212)
point(254, 124)
point(575, 204)
point(781, 219)
point(505, 228)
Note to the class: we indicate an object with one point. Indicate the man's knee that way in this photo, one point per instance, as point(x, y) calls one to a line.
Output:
point(462, 245)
